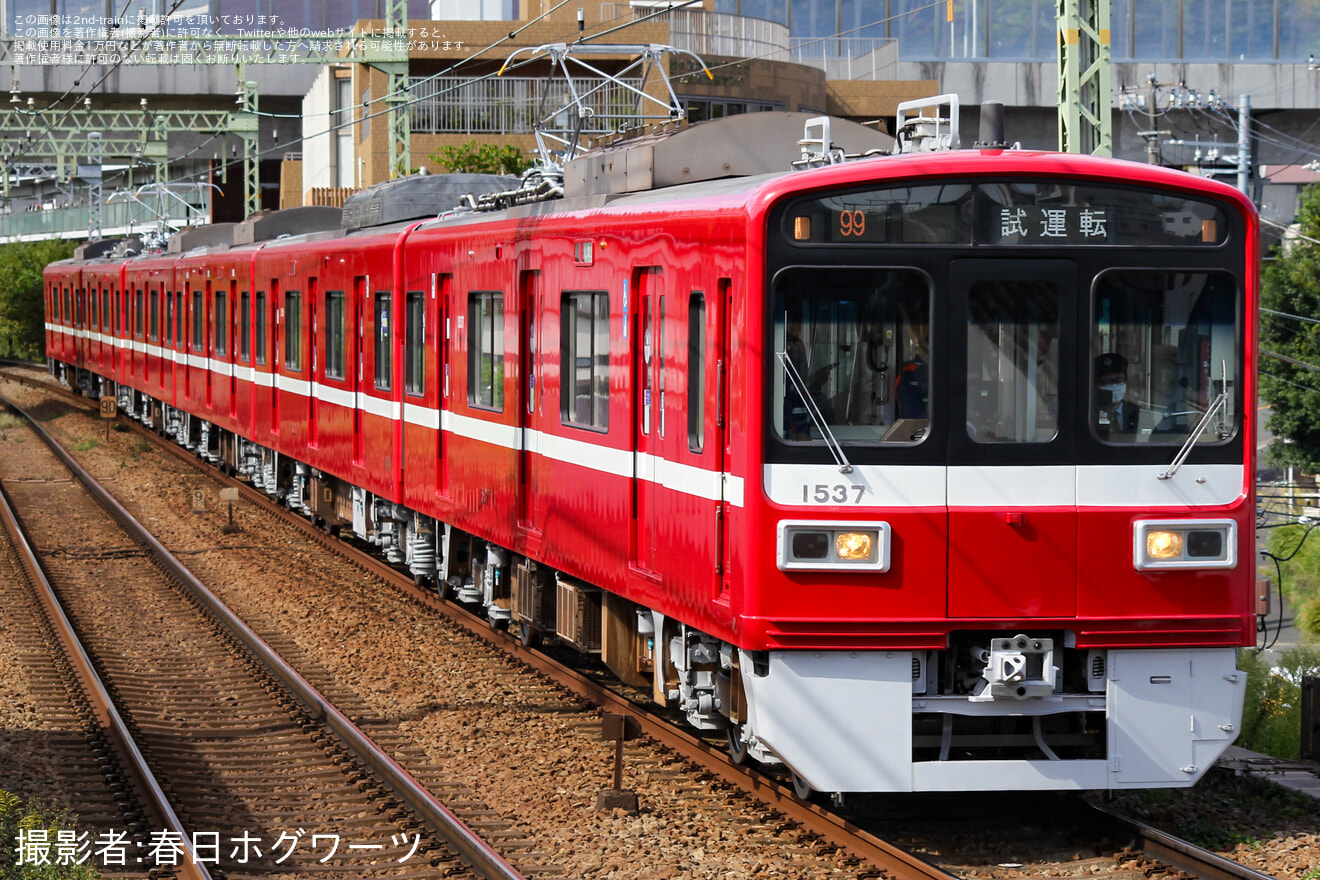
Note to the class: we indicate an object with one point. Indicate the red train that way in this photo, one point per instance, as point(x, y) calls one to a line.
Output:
point(915, 472)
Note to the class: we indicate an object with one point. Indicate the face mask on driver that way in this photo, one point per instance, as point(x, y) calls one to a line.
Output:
point(1117, 392)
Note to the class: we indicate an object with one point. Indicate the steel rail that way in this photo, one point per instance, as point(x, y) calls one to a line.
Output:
point(894, 862)
point(470, 847)
point(1181, 854)
point(99, 697)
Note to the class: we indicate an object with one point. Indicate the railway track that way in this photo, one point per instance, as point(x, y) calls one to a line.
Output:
point(844, 831)
point(235, 761)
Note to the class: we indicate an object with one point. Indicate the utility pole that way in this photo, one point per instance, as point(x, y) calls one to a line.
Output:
point(1152, 134)
point(1085, 105)
point(1244, 144)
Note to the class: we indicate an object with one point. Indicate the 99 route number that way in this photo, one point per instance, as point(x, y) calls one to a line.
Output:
point(824, 493)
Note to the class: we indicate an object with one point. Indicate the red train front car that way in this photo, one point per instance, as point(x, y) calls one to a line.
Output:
point(915, 473)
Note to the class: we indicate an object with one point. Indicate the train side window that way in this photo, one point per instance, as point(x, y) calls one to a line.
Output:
point(334, 334)
point(415, 380)
point(384, 342)
point(584, 355)
point(696, 366)
point(245, 327)
point(261, 327)
point(293, 330)
point(221, 321)
point(197, 324)
point(486, 349)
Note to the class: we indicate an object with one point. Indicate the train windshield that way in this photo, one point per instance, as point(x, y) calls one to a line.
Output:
point(1164, 354)
point(853, 351)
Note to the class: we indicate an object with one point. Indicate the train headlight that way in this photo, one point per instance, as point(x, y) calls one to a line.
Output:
point(854, 545)
point(1190, 543)
point(833, 546)
point(1164, 545)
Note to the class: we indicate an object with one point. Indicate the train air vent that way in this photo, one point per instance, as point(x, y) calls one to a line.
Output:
point(417, 196)
point(919, 661)
point(579, 619)
point(1097, 670)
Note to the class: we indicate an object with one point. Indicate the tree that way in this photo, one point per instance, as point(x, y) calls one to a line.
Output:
point(21, 306)
point(482, 158)
point(1290, 347)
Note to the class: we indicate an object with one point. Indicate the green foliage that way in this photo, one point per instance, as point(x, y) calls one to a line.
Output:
point(1272, 714)
point(1301, 575)
point(1291, 284)
point(15, 816)
point(21, 317)
point(475, 157)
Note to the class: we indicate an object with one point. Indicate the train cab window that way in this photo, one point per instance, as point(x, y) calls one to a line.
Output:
point(486, 349)
point(1013, 362)
point(334, 334)
point(293, 330)
point(197, 324)
point(221, 318)
point(585, 343)
point(261, 327)
point(1163, 356)
point(696, 367)
point(415, 365)
point(384, 342)
point(245, 327)
point(851, 355)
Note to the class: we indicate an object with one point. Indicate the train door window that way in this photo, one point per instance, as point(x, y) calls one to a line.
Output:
point(106, 313)
point(221, 322)
point(178, 319)
point(334, 334)
point(261, 327)
point(1013, 361)
point(660, 355)
point(153, 321)
point(66, 315)
point(169, 318)
point(245, 327)
point(1163, 352)
point(198, 324)
point(584, 339)
point(696, 367)
point(415, 366)
point(486, 349)
point(384, 342)
point(293, 330)
point(139, 323)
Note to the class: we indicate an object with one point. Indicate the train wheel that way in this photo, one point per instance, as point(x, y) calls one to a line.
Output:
point(527, 636)
point(801, 790)
point(737, 747)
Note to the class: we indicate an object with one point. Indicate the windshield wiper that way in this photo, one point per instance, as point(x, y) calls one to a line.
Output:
point(845, 466)
point(1196, 435)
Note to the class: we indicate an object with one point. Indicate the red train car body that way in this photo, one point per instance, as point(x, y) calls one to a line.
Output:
point(922, 472)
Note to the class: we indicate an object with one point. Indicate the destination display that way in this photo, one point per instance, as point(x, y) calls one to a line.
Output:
point(1032, 213)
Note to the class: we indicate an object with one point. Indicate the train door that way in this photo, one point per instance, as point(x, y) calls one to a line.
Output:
point(208, 340)
point(276, 328)
point(441, 287)
point(1012, 478)
point(237, 344)
point(355, 384)
point(529, 406)
point(647, 365)
point(313, 428)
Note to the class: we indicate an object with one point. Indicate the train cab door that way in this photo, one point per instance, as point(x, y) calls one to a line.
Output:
point(530, 498)
point(1012, 478)
point(647, 365)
